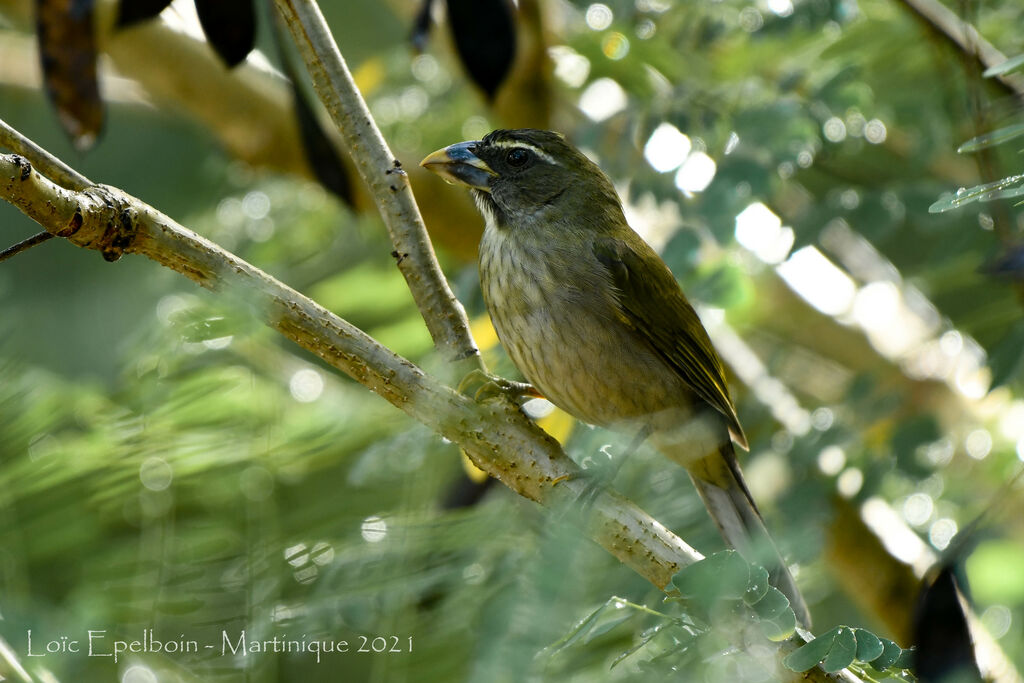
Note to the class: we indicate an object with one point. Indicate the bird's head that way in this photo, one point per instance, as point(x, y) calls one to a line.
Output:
point(526, 175)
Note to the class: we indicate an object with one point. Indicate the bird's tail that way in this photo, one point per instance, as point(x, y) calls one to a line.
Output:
point(720, 483)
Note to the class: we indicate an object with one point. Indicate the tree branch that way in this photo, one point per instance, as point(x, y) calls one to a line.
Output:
point(41, 159)
point(51, 165)
point(387, 181)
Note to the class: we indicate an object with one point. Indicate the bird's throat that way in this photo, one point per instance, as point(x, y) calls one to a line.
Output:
point(494, 216)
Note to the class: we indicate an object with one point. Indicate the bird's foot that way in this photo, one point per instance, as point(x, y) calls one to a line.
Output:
point(483, 386)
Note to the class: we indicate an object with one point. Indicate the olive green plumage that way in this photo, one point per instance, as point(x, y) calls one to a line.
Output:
point(596, 321)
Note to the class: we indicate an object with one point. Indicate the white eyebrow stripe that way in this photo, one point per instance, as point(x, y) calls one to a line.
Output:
point(510, 144)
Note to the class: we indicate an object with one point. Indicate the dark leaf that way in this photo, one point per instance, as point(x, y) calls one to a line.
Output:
point(1009, 264)
point(67, 51)
point(320, 152)
point(465, 493)
point(421, 26)
point(911, 433)
point(485, 38)
point(230, 26)
point(942, 639)
point(906, 661)
point(891, 653)
point(134, 11)
point(869, 647)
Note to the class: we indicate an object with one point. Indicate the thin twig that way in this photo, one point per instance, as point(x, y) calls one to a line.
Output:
point(42, 160)
point(388, 182)
point(14, 250)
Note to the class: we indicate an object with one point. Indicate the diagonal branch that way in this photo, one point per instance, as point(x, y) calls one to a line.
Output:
point(387, 181)
point(41, 159)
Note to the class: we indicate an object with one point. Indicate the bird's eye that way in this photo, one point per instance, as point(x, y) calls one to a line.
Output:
point(517, 156)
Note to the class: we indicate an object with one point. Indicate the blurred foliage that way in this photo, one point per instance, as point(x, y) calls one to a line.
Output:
point(168, 464)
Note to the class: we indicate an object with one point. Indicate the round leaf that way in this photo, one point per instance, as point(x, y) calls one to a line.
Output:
point(807, 656)
point(781, 627)
point(869, 647)
point(843, 652)
point(757, 585)
point(905, 660)
point(890, 654)
point(771, 605)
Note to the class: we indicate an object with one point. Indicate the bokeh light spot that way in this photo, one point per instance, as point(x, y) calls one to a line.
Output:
point(602, 99)
point(667, 148)
point(306, 385)
point(374, 529)
point(155, 474)
point(696, 173)
point(599, 16)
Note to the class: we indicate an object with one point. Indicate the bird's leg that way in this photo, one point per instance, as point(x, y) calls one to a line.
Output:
point(483, 386)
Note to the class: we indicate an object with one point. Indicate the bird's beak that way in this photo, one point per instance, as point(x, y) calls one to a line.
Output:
point(458, 165)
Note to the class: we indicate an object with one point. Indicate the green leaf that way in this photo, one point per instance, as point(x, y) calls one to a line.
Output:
point(807, 656)
point(205, 330)
point(1000, 189)
point(583, 627)
point(613, 612)
point(645, 638)
point(1004, 67)
point(771, 605)
point(869, 647)
point(905, 660)
point(843, 651)
point(723, 575)
point(757, 585)
point(608, 621)
point(781, 627)
point(992, 138)
point(890, 654)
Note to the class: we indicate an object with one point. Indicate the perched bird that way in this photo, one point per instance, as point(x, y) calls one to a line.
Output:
point(597, 323)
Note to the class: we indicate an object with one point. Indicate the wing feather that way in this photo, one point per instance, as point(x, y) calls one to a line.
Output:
point(654, 306)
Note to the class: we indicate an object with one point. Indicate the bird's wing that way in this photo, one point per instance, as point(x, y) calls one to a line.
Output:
point(653, 305)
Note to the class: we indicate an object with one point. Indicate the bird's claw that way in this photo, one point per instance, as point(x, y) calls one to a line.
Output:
point(484, 386)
